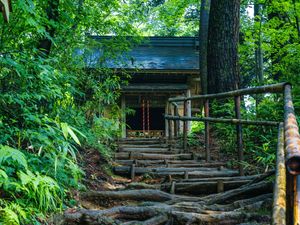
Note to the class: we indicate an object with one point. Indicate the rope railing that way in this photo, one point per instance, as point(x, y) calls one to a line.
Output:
point(286, 209)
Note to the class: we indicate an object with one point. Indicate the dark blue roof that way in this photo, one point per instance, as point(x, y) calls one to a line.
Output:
point(154, 53)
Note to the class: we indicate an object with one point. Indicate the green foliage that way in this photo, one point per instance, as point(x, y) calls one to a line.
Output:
point(259, 142)
point(198, 127)
point(52, 107)
point(12, 157)
point(42, 190)
point(167, 18)
point(276, 28)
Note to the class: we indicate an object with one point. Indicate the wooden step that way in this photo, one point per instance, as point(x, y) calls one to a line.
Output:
point(125, 170)
point(235, 178)
point(199, 174)
point(143, 146)
point(141, 141)
point(169, 163)
point(191, 174)
point(154, 162)
point(205, 187)
point(128, 155)
point(162, 150)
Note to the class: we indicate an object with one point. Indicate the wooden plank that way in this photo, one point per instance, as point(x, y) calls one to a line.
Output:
point(159, 170)
point(215, 179)
point(125, 155)
point(144, 150)
point(177, 164)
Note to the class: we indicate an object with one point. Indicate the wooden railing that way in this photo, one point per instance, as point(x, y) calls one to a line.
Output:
point(286, 208)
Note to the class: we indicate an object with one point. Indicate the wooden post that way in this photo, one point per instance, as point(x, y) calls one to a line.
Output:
point(220, 186)
point(132, 172)
point(173, 186)
point(188, 110)
point(237, 101)
point(185, 127)
point(175, 122)
point(166, 122)
point(297, 199)
point(279, 212)
point(123, 116)
point(186, 175)
point(289, 198)
point(170, 122)
point(130, 155)
point(207, 141)
point(195, 157)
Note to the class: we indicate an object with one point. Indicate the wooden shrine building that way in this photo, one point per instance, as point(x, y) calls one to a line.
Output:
point(160, 67)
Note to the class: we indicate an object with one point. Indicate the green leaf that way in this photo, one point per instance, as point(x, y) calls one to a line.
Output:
point(64, 127)
point(10, 155)
point(73, 135)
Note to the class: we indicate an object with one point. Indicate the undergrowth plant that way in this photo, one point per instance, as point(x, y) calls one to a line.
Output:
point(53, 105)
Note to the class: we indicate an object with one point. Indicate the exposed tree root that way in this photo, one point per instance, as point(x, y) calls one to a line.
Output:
point(160, 214)
point(160, 208)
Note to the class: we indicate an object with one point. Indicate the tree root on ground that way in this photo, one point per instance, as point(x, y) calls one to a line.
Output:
point(154, 207)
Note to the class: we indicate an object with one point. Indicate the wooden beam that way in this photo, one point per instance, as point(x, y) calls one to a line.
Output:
point(221, 120)
point(274, 88)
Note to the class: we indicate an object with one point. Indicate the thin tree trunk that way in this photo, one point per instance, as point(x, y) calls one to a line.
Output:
point(203, 39)
point(52, 14)
point(258, 50)
point(297, 18)
point(223, 61)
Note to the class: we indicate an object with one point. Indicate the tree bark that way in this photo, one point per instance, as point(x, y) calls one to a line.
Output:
point(296, 18)
point(203, 39)
point(259, 70)
point(223, 38)
point(53, 15)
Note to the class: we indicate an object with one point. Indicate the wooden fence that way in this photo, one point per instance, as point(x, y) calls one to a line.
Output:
point(286, 208)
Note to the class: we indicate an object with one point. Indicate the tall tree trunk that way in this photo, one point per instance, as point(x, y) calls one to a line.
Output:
point(223, 38)
point(52, 14)
point(296, 18)
point(258, 50)
point(203, 39)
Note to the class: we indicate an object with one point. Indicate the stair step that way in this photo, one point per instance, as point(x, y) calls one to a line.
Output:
point(143, 146)
point(143, 170)
point(235, 178)
point(170, 163)
point(144, 149)
point(128, 155)
point(205, 187)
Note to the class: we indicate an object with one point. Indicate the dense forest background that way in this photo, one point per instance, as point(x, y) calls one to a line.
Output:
point(51, 105)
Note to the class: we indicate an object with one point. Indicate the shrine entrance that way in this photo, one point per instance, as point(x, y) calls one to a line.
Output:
point(146, 120)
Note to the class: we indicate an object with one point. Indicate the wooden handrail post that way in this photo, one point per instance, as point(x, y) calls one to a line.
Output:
point(292, 148)
point(207, 141)
point(280, 195)
point(290, 195)
point(169, 122)
point(237, 103)
point(185, 127)
point(175, 121)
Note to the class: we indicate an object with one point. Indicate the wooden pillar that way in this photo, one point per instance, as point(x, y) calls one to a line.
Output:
point(189, 110)
point(166, 121)
point(123, 116)
point(237, 101)
point(207, 141)
point(170, 121)
point(132, 172)
point(185, 131)
point(176, 130)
